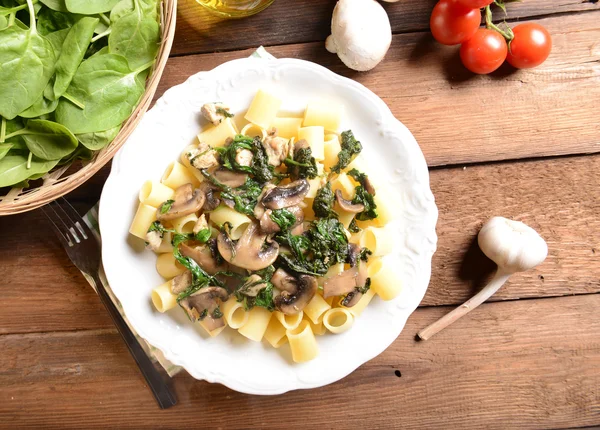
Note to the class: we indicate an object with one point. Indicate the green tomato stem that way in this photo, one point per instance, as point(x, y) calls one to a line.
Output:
point(74, 101)
point(507, 34)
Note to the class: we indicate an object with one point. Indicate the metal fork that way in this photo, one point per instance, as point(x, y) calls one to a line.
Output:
point(84, 251)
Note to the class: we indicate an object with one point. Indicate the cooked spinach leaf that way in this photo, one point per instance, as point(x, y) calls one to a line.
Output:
point(303, 165)
point(323, 202)
point(362, 196)
point(283, 218)
point(350, 149)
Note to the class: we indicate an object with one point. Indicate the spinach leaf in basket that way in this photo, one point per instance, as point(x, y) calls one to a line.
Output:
point(90, 7)
point(4, 11)
point(4, 148)
point(26, 65)
point(14, 168)
point(57, 5)
point(99, 139)
point(50, 20)
point(74, 48)
point(108, 90)
point(56, 39)
point(149, 7)
point(47, 140)
point(42, 106)
point(136, 36)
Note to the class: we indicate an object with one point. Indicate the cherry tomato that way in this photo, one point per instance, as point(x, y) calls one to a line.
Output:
point(476, 4)
point(484, 52)
point(530, 47)
point(451, 23)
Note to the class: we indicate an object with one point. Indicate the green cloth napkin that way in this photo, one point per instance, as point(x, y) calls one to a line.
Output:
point(91, 219)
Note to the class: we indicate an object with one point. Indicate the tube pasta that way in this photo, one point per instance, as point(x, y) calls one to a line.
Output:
point(165, 244)
point(275, 333)
point(344, 184)
point(384, 281)
point(234, 313)
point(289, 321)
point(314, 184)
point(177, 175)
point(338, 320)
point(162, 297)
point(263, 109)
point(287, 127)
point(217, 135)
point(331, 149)
point(239, 222)
point(258, 320)
point(316, 308)
point(325, 114)
point(302, 343)
point(364, 301)
point(213, 333)
point(345, 217)
point(154, 193)
point(315, 136)
point(385, 206)
point(254, 130)
point(185, 224)
point(144, 217)
point(378, 240)
point(317, 329)
point(167, 266)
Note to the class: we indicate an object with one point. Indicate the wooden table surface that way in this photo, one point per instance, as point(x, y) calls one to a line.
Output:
point(520, 144)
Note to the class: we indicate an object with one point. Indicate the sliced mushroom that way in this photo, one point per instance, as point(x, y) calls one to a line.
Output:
point(187, 200)
point(253, 285)
point(268, 226)
point(182, 282)
point(259, 209)
point(202, 255)
point(340, 284)
point(283, 281)
point(229, 178)
point(202, 304)
point(154, 239)
point(368, 186)
point(251, 252)
point(353, 254)
point(347, 205)
point(292, 303)
point(215, 112)
point(211, 201)
point(284, 196)
point(301, 144)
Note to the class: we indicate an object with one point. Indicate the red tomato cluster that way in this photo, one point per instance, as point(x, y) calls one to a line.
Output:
point(483, 50)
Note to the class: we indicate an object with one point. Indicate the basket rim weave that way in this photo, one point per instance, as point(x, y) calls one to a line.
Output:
point(54, 184)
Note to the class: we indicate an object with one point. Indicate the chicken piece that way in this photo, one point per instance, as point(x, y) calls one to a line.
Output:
point(277, 148)
point(203, 157)
point(215, 112)
point(154, 240)
point(243, 157)
point(200, 225)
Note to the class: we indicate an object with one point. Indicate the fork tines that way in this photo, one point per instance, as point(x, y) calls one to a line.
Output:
point(67, 222)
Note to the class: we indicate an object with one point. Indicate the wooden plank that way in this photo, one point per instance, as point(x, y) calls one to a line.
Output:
point(556, 197)
point(522, 364)
point(458, 117)
point(307, 21)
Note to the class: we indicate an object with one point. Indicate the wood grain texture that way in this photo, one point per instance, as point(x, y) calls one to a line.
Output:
point(458, 117)
point(288, 22)
point(527, 364)
point(555, 196)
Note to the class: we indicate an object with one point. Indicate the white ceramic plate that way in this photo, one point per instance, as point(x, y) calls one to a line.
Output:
point(173, 123)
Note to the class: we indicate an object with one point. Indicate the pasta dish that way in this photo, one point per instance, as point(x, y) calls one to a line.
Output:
point(274, 229)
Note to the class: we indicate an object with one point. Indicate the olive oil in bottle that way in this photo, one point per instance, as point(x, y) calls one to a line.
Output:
point(235, 8)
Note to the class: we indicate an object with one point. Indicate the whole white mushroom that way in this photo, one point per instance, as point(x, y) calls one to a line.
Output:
point(360, 33)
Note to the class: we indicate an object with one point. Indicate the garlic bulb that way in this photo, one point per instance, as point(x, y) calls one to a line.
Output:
point(360, 33)
point(514, 247)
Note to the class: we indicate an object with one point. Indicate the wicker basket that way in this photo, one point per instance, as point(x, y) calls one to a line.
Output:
point(66, 178)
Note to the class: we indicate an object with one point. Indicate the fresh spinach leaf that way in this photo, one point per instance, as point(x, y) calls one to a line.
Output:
point(3, 22)
point(13, 168)
point(42, 106)
point(26, 65)
point(4, 148)
point(57, 5)
point(149, 7)
point(90, 7)
point(109, 91)
point(98, 140)
point(50, 20)
point(73, 50)
point(47, 140)
point(136, 36)
point(56, 39)
point(4, 11)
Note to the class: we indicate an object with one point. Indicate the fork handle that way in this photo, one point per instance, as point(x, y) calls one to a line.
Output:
point(163, 394)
